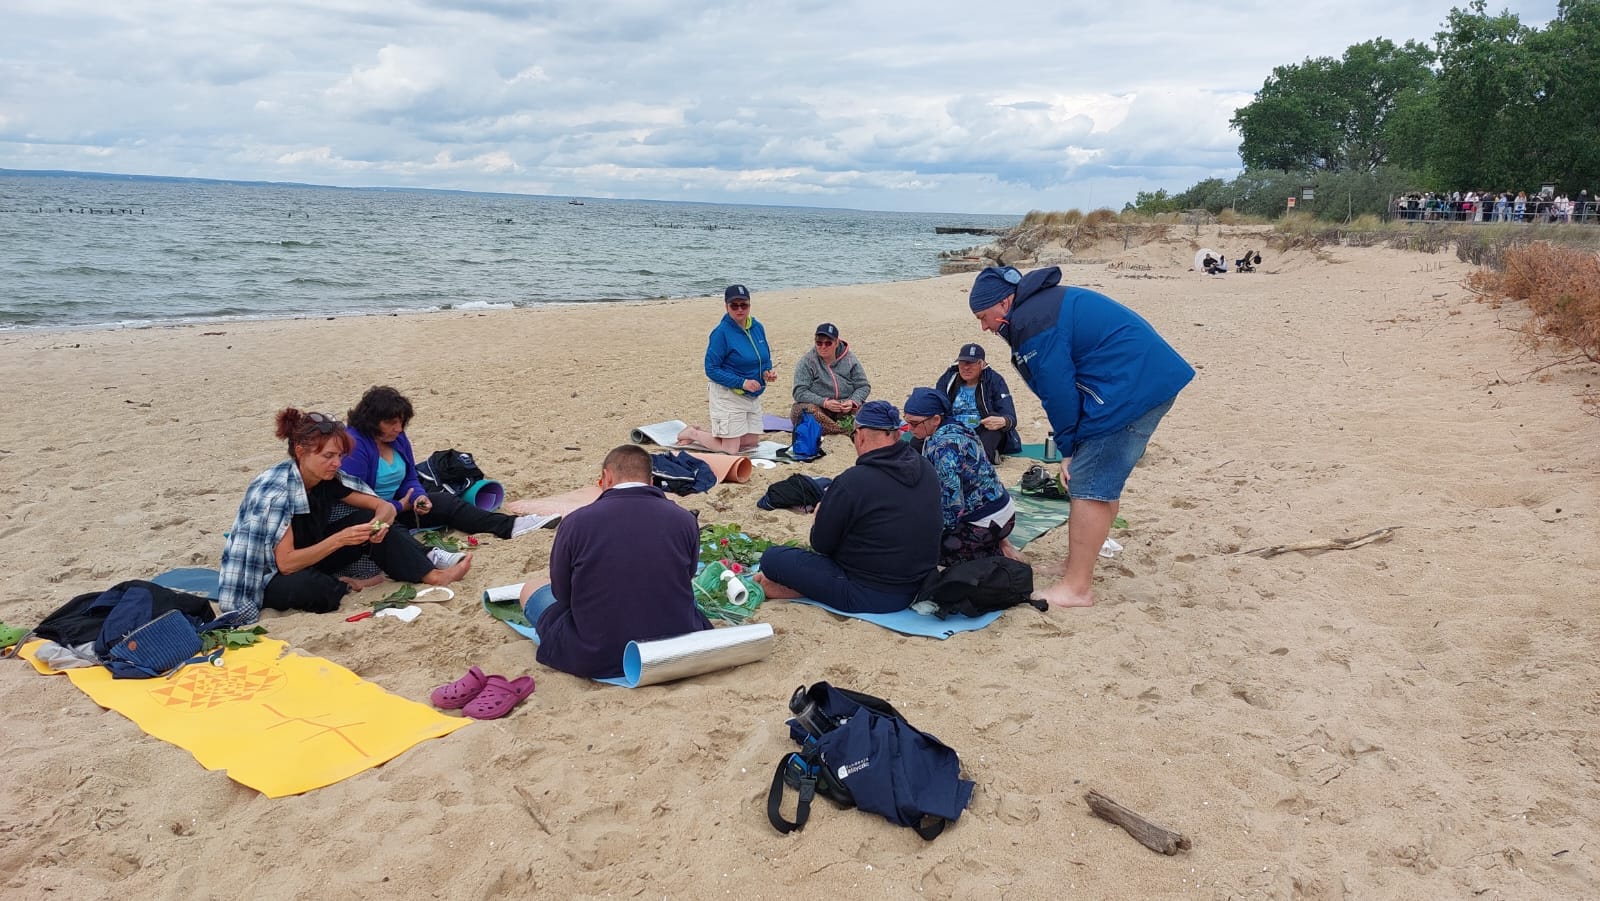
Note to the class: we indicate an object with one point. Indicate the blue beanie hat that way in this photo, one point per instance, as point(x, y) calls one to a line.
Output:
point(927, 402)
point(878, 414)
point(992, 286)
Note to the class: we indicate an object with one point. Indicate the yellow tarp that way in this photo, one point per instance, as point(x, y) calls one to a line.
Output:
point(280, 724)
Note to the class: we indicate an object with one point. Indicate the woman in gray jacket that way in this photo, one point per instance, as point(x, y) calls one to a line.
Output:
point(829, 383)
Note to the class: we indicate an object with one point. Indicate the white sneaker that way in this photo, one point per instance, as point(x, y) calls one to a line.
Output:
point(443, 559)
point(526, 524)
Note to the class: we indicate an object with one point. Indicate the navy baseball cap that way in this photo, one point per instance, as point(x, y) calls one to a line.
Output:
point(736, 292)
point(828, 330)
point(971, 353)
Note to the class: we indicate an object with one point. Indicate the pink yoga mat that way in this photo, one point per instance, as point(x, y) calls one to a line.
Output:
point(727, 467)
point(561, 504)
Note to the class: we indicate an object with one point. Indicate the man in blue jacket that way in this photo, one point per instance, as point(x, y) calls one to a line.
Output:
point(877, 531)
point(1105, 379)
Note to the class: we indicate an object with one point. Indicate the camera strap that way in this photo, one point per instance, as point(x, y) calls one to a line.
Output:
point(795, 769)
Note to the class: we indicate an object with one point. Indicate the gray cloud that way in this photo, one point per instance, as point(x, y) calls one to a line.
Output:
point(891, 105)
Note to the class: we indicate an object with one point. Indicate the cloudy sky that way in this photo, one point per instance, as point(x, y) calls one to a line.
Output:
point(891, 105)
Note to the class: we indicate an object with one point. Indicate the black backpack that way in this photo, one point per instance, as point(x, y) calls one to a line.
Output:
point(449, 470)
point(976, 587)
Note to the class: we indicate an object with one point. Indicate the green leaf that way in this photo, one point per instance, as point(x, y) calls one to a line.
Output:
point(230, 639)
point(400, 597)
point(1119, 523)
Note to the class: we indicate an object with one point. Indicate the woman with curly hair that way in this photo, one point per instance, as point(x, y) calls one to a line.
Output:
point(381, 456)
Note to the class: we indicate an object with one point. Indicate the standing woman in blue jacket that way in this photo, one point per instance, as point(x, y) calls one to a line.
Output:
point(739, 365)
point(1105, 378)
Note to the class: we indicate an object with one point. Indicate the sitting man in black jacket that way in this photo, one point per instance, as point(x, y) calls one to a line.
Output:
point(877, 531)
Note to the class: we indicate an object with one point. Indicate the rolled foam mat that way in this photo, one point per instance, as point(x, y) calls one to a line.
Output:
point(728, 468)
point(662, 433)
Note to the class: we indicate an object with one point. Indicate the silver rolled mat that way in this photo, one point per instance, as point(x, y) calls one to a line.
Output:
point(653, 662)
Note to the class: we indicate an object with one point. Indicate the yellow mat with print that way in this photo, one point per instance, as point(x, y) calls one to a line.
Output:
point(279, 723)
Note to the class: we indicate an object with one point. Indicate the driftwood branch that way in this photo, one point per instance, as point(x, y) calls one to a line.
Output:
point(1325, 544)
point(1157, 838)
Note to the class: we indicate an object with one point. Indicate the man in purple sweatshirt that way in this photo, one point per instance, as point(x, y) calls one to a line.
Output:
point(620, 571)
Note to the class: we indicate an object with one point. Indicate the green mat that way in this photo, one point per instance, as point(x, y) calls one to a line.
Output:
point(1033, 452)
point(1035, 516)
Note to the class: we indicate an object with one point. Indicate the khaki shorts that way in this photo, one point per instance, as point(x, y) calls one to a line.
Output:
point(734, 415)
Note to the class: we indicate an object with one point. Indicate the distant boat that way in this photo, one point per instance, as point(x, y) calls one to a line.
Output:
point(575, 202)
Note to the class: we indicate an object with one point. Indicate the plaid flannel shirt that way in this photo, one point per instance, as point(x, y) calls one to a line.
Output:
point(249, 559)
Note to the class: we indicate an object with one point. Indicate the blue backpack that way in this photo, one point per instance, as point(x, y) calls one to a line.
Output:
point(137, 643)
point(807, 443)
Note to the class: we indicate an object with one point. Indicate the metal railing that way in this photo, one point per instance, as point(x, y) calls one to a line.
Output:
point(1532, 210)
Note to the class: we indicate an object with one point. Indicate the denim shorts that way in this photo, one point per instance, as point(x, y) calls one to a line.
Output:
point(1101, 465)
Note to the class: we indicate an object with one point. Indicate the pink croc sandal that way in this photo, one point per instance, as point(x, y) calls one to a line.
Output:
point(459, 693)
point(498, 697)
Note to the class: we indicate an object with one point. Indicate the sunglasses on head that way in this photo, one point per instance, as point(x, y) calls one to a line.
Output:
point(324, 423)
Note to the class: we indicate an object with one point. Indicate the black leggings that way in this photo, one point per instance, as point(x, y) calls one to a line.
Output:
point(317, 589)
point(452, 511)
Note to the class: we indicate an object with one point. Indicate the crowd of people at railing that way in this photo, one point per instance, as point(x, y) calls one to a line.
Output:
point(1496, 206)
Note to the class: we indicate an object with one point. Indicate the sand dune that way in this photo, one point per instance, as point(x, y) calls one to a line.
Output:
point(1410, 719)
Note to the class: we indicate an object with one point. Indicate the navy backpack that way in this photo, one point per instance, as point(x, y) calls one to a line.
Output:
point(858, 751)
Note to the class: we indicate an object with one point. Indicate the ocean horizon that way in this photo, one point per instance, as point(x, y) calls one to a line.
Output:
point(97, 250)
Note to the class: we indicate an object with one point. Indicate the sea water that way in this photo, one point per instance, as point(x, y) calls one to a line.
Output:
point(101, 250)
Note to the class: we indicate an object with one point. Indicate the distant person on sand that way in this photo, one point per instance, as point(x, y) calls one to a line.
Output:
point(829, 382)
point(876, 535)
point(980, 398)
point(620, 571)
point(977, 512)
point(739, 365)
point(381, 456)
point(1105, 378)
point(285, 549)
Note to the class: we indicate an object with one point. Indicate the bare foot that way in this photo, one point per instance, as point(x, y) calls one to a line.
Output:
point(1059, 595)
point(453, 574)
point(358, 584)
point(773, 590)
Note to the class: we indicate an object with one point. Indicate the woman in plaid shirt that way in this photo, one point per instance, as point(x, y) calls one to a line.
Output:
point(285, 549)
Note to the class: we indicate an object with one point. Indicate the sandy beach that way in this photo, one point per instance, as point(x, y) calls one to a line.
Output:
point(1414, 718)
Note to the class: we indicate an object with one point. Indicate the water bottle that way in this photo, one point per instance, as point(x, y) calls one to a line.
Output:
point(737, 593)
point(1051, 455)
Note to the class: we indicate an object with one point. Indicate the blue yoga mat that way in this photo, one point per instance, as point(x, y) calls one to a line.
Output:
point(910, 622)
point(195, 580)
point(537, 602)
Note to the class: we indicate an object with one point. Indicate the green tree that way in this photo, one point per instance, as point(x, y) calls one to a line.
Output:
point(1331, 114)
point(1484, 102)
